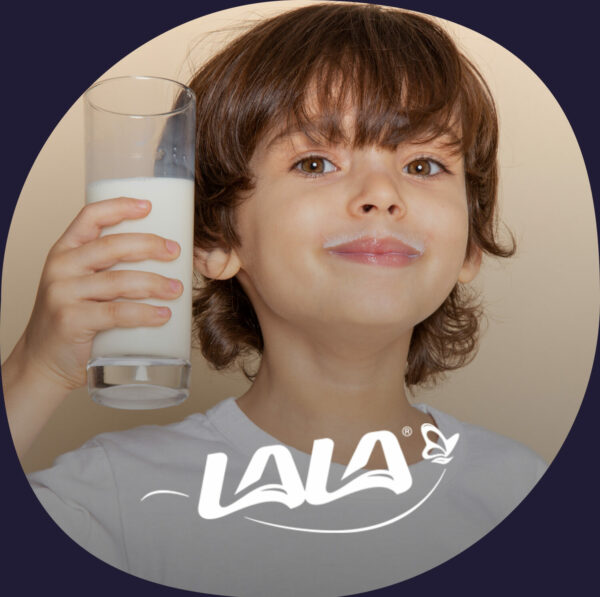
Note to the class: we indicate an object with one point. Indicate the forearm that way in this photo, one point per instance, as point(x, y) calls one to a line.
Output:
point(30, 398)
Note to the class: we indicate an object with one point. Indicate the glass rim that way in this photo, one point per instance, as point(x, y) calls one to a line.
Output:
point(190, 96)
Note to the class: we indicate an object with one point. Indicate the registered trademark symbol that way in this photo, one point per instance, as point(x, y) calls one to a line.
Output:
point(406, 431)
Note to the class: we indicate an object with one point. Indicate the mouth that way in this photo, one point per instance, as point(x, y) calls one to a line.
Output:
point(388, 251)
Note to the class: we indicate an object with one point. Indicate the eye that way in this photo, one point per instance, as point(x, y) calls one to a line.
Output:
point(314, 165)
point(424, 167)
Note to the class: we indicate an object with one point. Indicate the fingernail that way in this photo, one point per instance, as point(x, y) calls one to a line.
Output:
point(175, 285)
point(172, 246)
point(163, 311)
point(142, 204)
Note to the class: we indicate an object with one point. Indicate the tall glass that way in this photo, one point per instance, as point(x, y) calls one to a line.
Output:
point(140, 142)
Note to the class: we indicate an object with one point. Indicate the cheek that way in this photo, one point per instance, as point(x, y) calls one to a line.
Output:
point(446, 226)
point(276, 229)
point(456, 234)
point(446, 218)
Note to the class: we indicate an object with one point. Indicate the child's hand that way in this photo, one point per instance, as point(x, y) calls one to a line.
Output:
point(75, 295)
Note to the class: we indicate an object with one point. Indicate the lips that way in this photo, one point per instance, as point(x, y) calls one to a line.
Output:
point(376, 246)
point(377, 251)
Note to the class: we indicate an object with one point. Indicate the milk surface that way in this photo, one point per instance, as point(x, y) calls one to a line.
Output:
point(172, 217)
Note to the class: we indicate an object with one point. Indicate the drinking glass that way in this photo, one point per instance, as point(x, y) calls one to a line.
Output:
point(140, 142)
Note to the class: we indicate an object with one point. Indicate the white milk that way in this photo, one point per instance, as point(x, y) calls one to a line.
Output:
point(172, 217)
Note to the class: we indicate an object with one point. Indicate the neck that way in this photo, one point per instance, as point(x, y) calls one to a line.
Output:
point(309, 387)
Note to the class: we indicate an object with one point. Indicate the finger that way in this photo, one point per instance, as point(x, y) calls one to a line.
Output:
point(124, 284)
point(89, 222)
point(100, 316)
point(108, 250)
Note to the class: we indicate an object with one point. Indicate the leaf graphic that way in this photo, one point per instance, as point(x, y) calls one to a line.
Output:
point(441, 460)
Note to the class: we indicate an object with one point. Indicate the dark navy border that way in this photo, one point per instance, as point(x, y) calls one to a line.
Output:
point(53, 51)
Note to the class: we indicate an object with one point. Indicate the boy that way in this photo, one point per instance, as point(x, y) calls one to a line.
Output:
point(346, 186)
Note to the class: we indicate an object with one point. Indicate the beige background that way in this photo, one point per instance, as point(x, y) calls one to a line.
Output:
point(536, 355)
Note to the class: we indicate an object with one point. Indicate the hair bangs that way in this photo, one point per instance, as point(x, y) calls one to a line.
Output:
point(382, 85)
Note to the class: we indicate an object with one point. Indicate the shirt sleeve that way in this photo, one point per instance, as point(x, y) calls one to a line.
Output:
point(79, 493)
point(498, 473)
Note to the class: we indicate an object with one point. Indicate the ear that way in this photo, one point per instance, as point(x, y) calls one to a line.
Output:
point(216, 263)
point(471, 266)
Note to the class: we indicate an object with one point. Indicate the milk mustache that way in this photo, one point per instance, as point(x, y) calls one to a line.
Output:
point(171, 217)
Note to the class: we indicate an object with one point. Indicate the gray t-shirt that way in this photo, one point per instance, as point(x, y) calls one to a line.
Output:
point(132, 499)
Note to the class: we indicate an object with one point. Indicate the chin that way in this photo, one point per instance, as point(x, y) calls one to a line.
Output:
point(380, 321)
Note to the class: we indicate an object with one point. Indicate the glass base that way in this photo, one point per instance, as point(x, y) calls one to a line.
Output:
point(138, 383)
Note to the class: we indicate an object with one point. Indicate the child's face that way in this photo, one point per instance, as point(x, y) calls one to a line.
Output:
point(309, 196)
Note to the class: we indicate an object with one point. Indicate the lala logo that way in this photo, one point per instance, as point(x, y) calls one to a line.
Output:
point(293, 493)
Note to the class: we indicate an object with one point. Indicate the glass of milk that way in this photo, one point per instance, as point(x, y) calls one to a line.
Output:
point(140, 142)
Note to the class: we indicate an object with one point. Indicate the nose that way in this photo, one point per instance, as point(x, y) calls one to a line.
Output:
point(377, 192)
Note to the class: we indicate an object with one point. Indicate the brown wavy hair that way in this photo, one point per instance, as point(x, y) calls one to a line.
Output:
point(407, 81)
